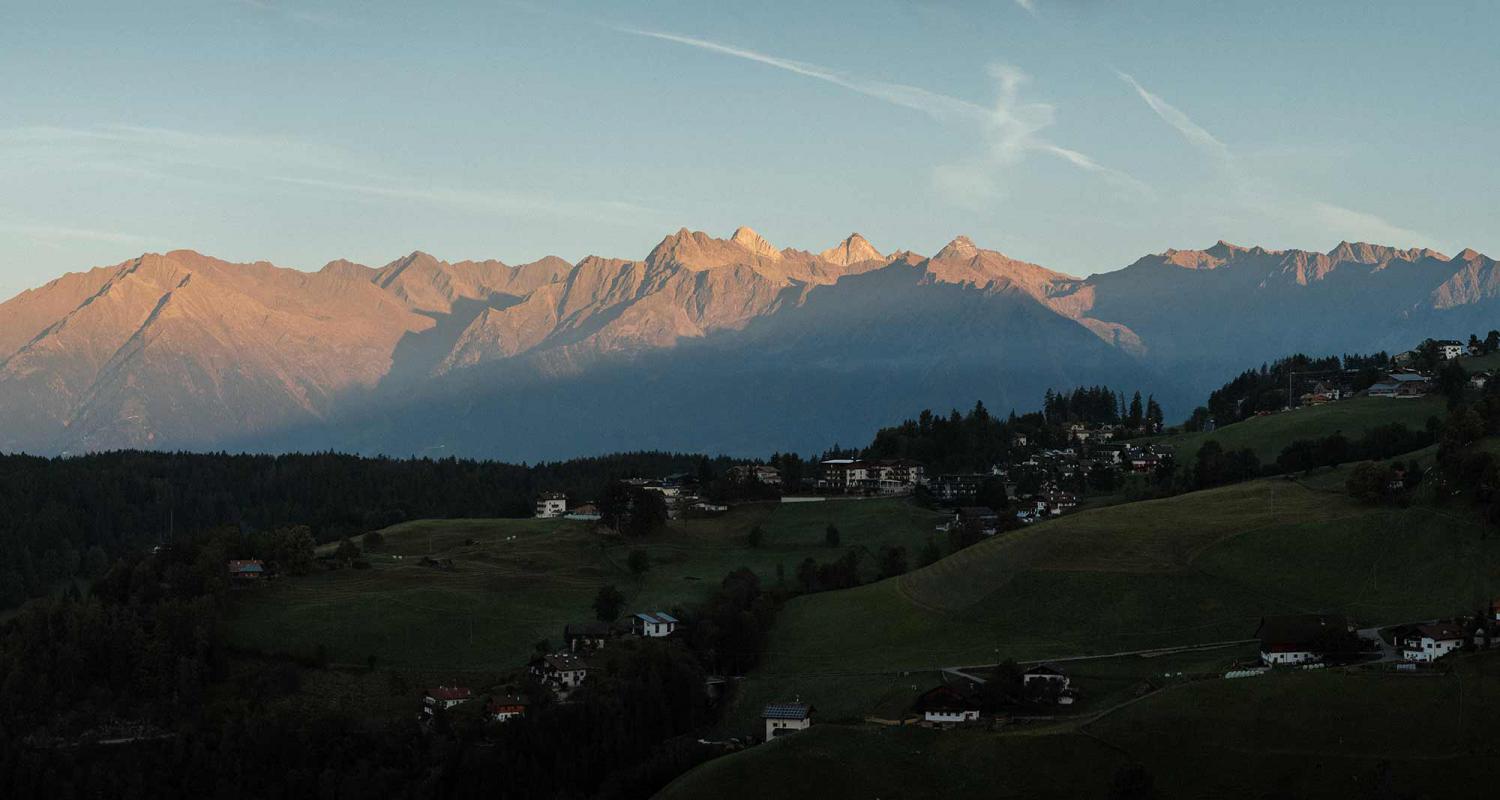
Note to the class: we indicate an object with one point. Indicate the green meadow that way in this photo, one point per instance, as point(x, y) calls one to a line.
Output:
point(1267, 436)
point(516, 582)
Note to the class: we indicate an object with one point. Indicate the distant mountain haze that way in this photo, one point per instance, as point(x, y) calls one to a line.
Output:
point(705, 344)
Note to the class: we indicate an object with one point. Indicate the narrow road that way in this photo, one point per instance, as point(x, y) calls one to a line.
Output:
point(963, 671)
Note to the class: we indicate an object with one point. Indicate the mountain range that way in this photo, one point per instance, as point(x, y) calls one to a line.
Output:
point(724, 345)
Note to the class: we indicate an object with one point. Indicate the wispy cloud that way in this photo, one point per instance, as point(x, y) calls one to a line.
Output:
point(1190, 130)
point(1011, 129)
point(1257, 195)
point(937, 105)
point(490, 202)
point(1028, 5)
point(59, 233)
point(236, 161)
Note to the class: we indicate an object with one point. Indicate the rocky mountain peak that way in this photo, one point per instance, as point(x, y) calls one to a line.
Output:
point(750, 240)
point(960, 247)
point(852, 250)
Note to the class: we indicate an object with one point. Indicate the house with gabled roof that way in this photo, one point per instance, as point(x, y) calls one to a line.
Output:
point(946, 704)
point(784, 718)
point(442, 698)
point(653, 625)
point(1428, 643)
point(1298, 638)
point(506, 707)
point(563, 672)
point(246, 570)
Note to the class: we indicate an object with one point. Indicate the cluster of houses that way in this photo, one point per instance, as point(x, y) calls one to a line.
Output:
point(565, 670)
point(1302, 640)
point(554, 505)
point(499, 707)
point(958, 703)
point(559, 672)
point(1403, 381)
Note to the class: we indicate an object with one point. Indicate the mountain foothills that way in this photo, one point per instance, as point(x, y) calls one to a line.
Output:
point(705, 344)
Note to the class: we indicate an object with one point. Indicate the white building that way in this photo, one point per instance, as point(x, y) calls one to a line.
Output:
point(1450, 349)
point(784, 718)
point(550, 505)
point(1429, 643)
point(653, 626)
point(562, 671)
point(444, 697)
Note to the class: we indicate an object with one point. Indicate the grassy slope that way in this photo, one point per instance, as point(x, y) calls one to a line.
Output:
point(1288, 735)
point(1268, 435)
point(523, 580)
point(1201, 567)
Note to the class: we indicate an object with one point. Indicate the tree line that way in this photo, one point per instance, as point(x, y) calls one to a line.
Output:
point(71, 516)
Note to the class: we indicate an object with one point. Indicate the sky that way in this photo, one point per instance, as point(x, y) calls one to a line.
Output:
point(1078, 134)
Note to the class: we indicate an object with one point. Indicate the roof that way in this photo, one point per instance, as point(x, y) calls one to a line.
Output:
point(946, 698)
point(552, 496)
point(658, 617)
point(1045, 669)
point(565, 662)
point(251, 565)
point(1408, 377)
point(787, 711)
point(1299, 628)
point(450, 693)
point(1441, 631)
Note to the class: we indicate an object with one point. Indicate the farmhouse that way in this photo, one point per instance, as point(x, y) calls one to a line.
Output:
point(586, 512)
point(246, 570)
point(946, 704)
point(1428, 643)
point(1298, 638)
point(1050, 674)
point(654, 625)
point(1450, 349)
point(587, 636)
point(561, 671)
point(504, 707)
point(550, 505)
point(784, 718)
point(1402, 384)
point(444, 698)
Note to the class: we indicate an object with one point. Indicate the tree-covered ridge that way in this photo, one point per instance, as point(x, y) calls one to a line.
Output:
point(73, 515)
point(963, 442)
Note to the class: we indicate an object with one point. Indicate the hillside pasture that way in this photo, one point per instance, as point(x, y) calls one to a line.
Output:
point(1331, 733)
point(1267, 436)
point(513, 583)
point(1196, 568)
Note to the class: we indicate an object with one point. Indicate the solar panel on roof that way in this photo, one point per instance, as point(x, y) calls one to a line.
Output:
point(785, 711)
point(665, 617)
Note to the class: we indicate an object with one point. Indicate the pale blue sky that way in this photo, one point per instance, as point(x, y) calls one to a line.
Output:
point(1079, 134)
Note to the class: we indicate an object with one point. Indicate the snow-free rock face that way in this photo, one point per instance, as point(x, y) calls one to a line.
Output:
point(183, 350)
point(852, 250)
